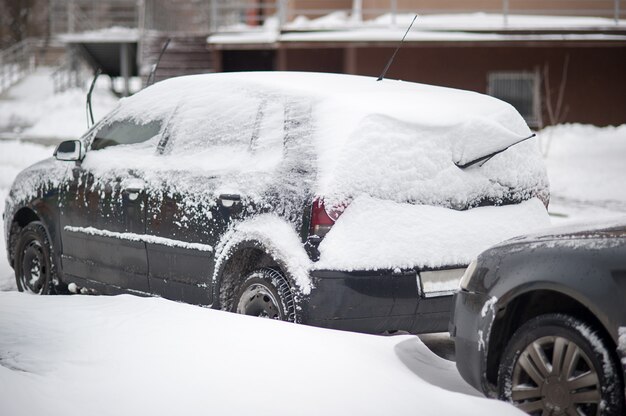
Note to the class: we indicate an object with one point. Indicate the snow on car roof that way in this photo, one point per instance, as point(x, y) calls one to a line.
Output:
point(394, 140)
point(420, 104)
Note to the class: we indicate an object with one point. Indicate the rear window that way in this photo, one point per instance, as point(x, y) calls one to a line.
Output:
point(125, 132)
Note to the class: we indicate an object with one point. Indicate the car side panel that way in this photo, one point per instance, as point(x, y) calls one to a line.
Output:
point(92, 210)
point(183, 269)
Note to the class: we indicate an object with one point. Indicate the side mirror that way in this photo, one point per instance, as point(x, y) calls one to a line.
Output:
point(70, 150)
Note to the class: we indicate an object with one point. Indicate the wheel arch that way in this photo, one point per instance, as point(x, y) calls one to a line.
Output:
point(514, 309)
point(240, 260)
point(20, 219)
point(266, 240)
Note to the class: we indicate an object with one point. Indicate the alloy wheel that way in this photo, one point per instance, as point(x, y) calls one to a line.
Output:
point(554, 376)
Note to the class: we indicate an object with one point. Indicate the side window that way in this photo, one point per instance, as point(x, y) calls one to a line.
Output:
point(269, 130)
point(124, 132)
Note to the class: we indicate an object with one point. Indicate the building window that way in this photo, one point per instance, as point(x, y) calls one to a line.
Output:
point(521, 90)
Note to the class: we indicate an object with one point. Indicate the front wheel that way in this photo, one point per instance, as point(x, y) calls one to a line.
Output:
point(33, 261)
point(265, 293)
point(556, 365)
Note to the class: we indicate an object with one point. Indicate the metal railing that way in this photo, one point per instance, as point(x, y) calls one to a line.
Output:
point(285, 14)
point(203, 16)
point(16, 62)
point(70, 72)
point(69, 16)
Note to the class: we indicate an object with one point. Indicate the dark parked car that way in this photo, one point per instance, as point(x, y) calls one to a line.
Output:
point(540, 321)
point(325, 199)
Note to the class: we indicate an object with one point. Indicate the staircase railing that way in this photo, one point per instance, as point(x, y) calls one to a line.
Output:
point(16, 62)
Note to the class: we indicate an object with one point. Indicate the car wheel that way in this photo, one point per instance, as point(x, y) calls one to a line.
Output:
point(33, 261)
point(265, 293)
point(556, 365)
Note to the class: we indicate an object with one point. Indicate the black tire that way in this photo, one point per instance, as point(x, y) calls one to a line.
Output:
point(556, 365)
point(265, 293)
point(33, 265)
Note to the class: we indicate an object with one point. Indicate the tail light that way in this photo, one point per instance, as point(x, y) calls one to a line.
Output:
point(323, 218)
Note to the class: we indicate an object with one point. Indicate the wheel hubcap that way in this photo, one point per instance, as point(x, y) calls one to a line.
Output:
point(554, 376)
point(33, 268)
point(257, 300)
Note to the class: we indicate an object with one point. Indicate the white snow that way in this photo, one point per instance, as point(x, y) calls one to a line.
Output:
point(78, 355)
point(456, 21)
point(587, 171)
point(358, 127)
point(488, 306)
point(31, 109)
point(279, 239)
point(622, 343)
point(386, 35)
point(108, 35)
point(458, 27)
point(152, 239)
point(423, 236)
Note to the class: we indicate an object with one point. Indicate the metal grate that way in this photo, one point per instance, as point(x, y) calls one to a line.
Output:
point(521, 90)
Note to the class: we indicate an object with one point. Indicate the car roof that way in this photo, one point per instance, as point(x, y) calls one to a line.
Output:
point(485, 123)
point(391, 139)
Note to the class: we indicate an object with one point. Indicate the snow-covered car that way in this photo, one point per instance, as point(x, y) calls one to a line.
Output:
point(325, 199)
point(540, 321)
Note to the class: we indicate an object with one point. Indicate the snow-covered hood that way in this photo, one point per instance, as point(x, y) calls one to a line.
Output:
point(586, 234)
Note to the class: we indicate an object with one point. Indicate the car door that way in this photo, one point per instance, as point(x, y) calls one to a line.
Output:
point(207, 146)
point(103, 209)
point(184, 229)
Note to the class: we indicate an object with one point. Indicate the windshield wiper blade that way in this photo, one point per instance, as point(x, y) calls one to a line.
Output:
point(484, 159)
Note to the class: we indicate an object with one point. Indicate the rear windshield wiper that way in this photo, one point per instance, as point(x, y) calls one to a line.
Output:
point(484, 159)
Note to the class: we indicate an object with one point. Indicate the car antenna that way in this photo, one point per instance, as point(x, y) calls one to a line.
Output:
point(382, 76)
point(154, 68)
point(89, 107)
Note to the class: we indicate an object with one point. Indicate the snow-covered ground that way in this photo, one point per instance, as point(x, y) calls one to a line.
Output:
point(586, 170)
point(78, 355)
point(32, 111)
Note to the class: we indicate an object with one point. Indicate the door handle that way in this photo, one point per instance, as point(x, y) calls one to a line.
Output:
point(133, 187)
point(228, 200)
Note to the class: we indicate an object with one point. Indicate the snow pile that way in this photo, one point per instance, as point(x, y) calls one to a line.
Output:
point(340, 26)
point(32, 110)
point(587, 170)
point(375, 234)
point(112, 34)
point(457, 21)
point(160, 358)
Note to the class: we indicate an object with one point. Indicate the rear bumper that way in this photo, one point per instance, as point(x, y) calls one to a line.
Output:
point(470, 331)
point(373, 302)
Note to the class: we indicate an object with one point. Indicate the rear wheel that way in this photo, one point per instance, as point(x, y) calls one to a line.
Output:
point(33, 261)
point(556, 365)
point(265, 293)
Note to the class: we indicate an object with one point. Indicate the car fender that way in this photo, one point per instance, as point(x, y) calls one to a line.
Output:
point(274, 236)
point(572, 291)
point(47, 214)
